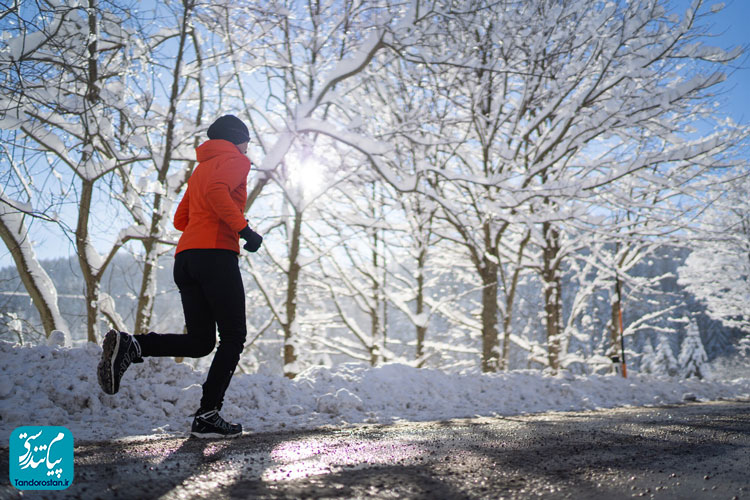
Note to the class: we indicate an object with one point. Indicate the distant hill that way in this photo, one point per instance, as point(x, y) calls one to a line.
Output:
point(121, 281)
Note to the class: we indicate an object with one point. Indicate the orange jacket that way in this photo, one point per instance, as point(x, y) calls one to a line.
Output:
point(211, 213)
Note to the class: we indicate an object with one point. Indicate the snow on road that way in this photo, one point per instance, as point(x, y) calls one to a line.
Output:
point(53, 385)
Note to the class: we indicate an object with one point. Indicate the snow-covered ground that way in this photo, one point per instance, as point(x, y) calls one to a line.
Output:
point(51, 385)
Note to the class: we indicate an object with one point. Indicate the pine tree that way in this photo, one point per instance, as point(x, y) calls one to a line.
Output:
point(664, 362)
point(744, 347)
point(648, 359)
point(693, 357)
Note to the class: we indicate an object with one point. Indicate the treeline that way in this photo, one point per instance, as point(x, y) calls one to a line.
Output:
point(652, 350)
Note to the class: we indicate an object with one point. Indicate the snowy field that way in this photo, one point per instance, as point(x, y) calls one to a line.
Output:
point(51, 385)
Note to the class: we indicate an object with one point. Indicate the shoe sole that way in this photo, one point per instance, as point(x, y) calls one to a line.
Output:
point(214, 435)
point(106, 369)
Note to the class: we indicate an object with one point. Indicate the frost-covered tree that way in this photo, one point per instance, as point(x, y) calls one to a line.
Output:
point(65, 69)
point(319, 50)
point(565, 100)
point(117, 95)
point(648, 358)
point(291, 212)
point(717, 271)
point(171, 113)
point(466, 180)
point(356, 272)
point(414, 119)
point(664, 362)
point(744, 347)
point(411, 288)
point(14, 232)
point(692, 359)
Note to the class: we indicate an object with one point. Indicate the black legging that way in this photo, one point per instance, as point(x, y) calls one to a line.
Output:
point(212, 294)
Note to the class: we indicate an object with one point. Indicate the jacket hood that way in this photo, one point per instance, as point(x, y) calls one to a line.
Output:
point(216, 147)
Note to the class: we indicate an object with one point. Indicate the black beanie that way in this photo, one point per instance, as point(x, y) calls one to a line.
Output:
point(230, 128)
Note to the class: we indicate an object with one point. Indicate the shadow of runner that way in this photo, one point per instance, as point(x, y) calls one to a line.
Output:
point(135, 469)
point(153, 468)
point(139, 469)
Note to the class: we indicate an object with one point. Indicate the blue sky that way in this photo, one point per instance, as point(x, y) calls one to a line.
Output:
point(731, 27)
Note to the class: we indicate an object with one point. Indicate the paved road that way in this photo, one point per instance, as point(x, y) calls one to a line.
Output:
point(691, 451)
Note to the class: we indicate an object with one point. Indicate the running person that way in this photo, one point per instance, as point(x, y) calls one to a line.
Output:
point(206, 271)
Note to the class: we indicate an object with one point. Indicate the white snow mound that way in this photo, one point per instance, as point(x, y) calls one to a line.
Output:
point(56, 385)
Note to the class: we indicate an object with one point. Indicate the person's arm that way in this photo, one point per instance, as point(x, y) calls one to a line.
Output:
point(182, 215)
point(226, 179)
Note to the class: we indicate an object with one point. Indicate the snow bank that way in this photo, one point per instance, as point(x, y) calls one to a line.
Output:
point(56, 385)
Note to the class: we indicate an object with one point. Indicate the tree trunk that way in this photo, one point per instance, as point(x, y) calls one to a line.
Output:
point(90, 276)
point(33, 276)
point(145, 307)
point(490, 342)
point(151, 245)
point(552, 294)
point(510, 298)
point(377, 327)
point(421, 327)
point(290, 326)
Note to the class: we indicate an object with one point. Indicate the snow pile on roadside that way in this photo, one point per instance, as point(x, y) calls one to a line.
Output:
point(52, 385)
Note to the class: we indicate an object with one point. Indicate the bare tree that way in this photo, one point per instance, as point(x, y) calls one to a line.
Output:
point(61, 79)
point(171, 134)
point(717, 270)
point(565, 100)
point(304, 82)
point(15, 234)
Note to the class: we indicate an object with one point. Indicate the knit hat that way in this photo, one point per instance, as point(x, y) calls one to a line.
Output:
point(230, 128)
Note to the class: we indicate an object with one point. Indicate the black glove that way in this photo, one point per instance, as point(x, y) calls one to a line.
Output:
point(253, 239)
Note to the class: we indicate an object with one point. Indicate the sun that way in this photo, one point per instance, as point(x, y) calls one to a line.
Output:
point(306, 175)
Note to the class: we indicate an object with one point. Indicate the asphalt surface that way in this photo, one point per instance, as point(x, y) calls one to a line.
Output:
point(690, 451)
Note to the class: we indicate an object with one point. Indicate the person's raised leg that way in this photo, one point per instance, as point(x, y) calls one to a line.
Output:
point(120, 349)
